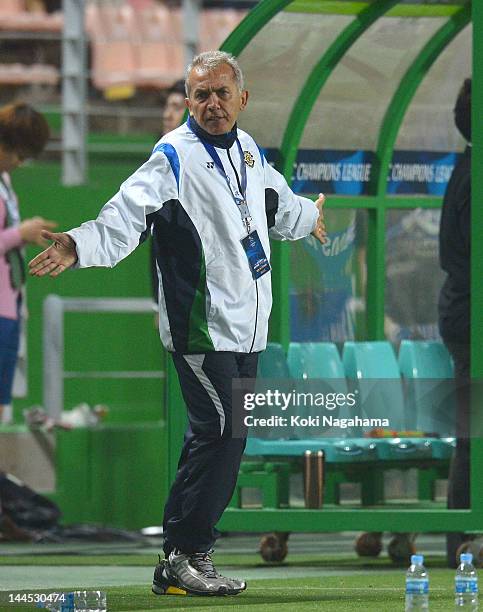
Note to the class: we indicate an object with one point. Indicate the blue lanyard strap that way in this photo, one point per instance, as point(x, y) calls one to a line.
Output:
point(238, 197)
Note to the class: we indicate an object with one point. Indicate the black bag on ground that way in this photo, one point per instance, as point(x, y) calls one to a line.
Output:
point(25, 507)
point(28, 516)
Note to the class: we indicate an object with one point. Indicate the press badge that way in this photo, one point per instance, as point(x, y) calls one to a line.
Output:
point(257, 260)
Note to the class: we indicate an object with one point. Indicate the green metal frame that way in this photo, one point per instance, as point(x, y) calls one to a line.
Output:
point(318, 77)
point(295, 128)
point(342, 7)
point(387, 137)
point(387, 518)
point(388, 133)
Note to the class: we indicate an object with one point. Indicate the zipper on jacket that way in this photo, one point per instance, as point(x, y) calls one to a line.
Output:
point(256, 284)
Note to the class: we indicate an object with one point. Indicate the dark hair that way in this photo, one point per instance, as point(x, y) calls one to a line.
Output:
point(177, 88)
point(23, 129)
point(462, 110)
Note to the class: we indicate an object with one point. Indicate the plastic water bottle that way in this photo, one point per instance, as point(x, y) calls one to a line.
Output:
point(417, 585)
point(65, 603)
point(79, 601)
point(466, 584)
point(90, 601)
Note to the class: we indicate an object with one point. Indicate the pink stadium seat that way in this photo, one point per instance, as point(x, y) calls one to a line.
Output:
point(140, 42)
point(216, 25)
point(159, 49)
point(36, 22)
point(140, 5)
point(11, 7)
point(15, 16)
point(43, 73)
point(208, 30)
point(13, 74)
point(111, 30)
point(93, 24)
point(20, 74)
point(112, 63)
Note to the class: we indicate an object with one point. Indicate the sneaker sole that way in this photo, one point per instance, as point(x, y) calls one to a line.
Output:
point(174, 590)
point(167, 590)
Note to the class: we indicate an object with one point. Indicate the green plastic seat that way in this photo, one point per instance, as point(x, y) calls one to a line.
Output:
point(373, 373)
point(272, 373)
point(272, 362)
point(425, 359)
point(428, 374)
point(317, 367)
point(315, 360)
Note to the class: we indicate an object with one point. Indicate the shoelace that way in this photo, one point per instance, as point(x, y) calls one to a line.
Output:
point(203, 563)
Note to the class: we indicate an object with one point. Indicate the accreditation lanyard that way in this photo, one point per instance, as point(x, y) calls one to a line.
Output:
point(238, 198)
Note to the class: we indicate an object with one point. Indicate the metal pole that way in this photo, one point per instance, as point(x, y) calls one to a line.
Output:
point(73, 94)
point(53, 355)
point(191, 19)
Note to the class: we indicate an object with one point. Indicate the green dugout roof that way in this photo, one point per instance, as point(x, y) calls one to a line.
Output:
point(351, 92)
point(354, 76)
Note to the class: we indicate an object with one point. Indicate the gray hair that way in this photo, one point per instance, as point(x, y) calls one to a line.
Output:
point(210, 60)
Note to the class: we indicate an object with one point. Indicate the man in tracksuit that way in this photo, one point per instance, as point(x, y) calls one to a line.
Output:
point(210, 200)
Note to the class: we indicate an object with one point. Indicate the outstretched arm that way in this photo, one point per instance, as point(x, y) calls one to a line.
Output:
point(290, 216)
point(119, 227)
point(59, 256)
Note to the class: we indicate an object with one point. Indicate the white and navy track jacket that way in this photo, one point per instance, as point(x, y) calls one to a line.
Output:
point(208, 299)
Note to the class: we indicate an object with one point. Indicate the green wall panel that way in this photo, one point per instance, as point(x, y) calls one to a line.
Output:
point(121, 480)
point(92, 341)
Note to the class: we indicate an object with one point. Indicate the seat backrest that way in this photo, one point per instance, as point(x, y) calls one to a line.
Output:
point(314, 360)
point(428, 372)
point(373, 369)
point(272, 362)
point(425, 359)
point(370, 360)
point(12, 7)
point(272, 370)
point(317, 368)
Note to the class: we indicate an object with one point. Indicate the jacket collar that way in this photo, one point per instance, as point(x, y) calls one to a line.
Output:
point(222, 141)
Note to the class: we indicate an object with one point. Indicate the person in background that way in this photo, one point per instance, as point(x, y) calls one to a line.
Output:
point(413, 275)
point(174, 107)
point(454, 307)
point(173, 112)
point(23, 133)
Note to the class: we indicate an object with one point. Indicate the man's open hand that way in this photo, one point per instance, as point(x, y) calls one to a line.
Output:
point(56, 258)
point(319, 231)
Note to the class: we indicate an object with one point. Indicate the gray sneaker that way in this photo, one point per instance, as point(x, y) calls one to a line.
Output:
point(197, 575)
point(163, 584)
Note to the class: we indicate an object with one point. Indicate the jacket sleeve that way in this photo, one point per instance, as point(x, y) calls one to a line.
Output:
point(118, 229)
point(289, 216)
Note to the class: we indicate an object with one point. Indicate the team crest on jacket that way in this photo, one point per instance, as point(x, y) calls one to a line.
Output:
point(249, 159)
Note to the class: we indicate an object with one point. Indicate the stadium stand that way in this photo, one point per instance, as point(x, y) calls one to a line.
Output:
point(133, 44)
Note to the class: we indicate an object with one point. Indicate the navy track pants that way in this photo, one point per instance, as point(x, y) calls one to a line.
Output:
point(210, 458)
